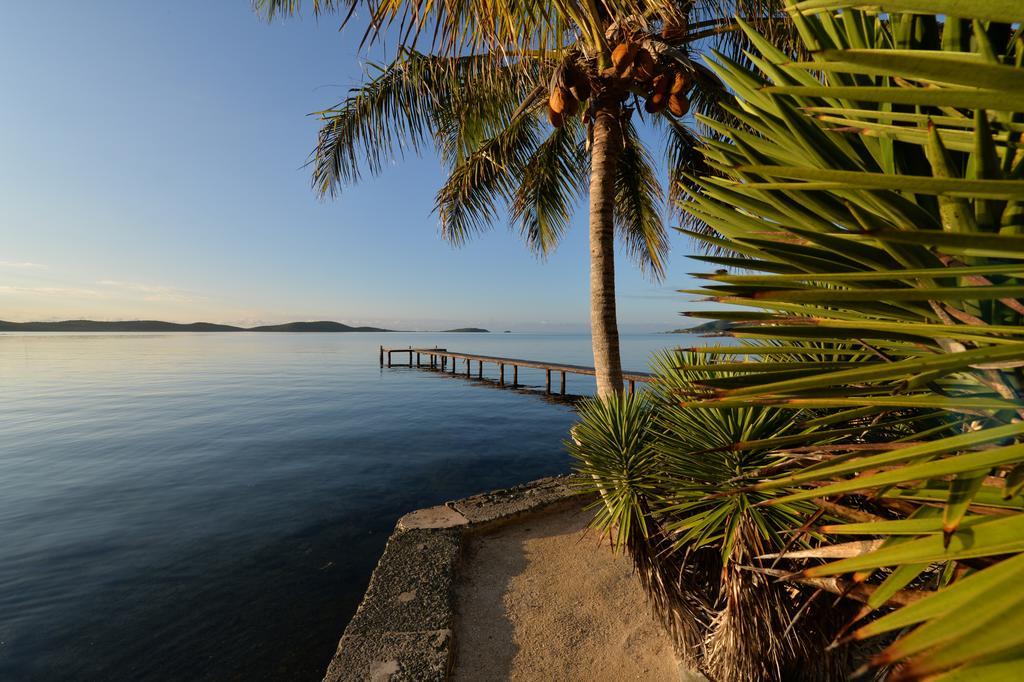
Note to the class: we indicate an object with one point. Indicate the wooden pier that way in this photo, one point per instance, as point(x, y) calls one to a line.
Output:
point(446, 361)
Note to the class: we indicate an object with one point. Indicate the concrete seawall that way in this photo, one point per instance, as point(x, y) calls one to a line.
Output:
point(404, 627)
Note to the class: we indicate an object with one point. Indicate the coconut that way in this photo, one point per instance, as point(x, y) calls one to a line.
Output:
point(680, 83)
point(572, 104)
point(555, 118)
point(579, 84)
point(560, 78)
point(556, 102)
point(678, 104)
point(643, 65)
point(660, 84)
point(623, 55)
point(655, 103)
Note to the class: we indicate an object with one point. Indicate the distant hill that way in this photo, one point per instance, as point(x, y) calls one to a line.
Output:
point(322, 326)
point(475, 330)
point(706, 328)
point(126, 326)
point(158, 326)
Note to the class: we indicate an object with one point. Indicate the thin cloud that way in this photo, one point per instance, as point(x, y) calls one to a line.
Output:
point(51, 291)
point(21, 265)
point(149, 292)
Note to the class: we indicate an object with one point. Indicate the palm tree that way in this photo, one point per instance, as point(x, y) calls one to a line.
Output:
point(480, 93)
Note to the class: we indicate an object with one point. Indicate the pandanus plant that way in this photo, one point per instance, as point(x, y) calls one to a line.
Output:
point(481, 89)
point(871, 200)
point(659, 471)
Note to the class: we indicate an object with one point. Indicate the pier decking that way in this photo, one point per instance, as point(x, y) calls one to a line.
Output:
point(442, 359)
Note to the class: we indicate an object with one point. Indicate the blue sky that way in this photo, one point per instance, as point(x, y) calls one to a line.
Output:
point(151, 163)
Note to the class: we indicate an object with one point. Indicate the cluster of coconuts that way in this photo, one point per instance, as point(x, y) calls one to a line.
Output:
point(668, 90)
point(570, 87)
point(664, 87)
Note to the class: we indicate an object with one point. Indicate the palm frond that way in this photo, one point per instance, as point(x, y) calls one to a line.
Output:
point(685, 161)
point(638, 203)
point(270, 9)
point(709, 97)
point(416, 101)
point(548, 183)
point(376, 124)
point(768, 17)
point(480, 185)
point(479, 97)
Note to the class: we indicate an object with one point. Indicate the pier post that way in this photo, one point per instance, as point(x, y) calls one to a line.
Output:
point(480, 369)
point(418, 363)
point(453, 364)
point(382, 356)
point(467, 366)
point(501, 374)
point(515, 375)
point(444, 362)
point(563, 383)
point(389, 358)
point(410, 357)
point(547, 384)
point(632, 387)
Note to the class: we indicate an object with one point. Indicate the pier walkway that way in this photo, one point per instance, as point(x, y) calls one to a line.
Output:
point(446, 360)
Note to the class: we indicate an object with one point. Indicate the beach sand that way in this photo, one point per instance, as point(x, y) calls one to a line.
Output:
point(544, 600)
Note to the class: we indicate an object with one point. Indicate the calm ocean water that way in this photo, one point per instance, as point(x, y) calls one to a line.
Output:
point(210, 506)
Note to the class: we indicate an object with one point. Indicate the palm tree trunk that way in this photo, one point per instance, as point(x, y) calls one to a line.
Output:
point(604, 329)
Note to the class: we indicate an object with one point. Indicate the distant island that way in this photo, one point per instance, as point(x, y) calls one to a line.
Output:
point(158, 326)
point(313, 327)
point(706, 328)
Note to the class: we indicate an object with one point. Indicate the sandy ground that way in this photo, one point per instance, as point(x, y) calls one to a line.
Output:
point(541, 600)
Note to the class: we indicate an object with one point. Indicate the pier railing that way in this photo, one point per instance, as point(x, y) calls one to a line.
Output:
point(442, 359)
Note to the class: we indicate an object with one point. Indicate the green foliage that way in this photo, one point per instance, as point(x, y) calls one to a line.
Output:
point(507, 26)
point(614, 445)
point(702, 450)
point(484, 115)
point(658, 470)
point(471, 82)
point(871, 200)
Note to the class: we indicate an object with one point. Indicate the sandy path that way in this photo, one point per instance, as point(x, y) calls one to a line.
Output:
point(540, 600)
